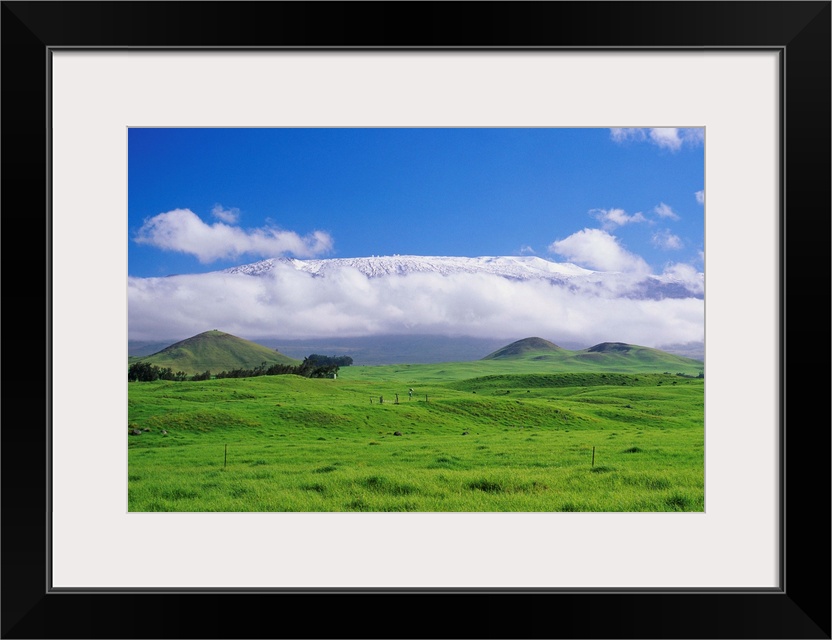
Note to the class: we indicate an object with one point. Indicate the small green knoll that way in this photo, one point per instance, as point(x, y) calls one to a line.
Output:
point(215, 351)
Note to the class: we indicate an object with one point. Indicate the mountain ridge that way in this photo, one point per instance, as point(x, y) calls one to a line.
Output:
point(376, 266)
point(527, 268)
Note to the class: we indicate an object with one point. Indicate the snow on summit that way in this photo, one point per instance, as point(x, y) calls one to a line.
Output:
point(667, 285)
point(521, 267)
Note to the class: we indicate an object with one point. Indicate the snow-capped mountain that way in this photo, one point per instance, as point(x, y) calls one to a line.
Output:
point(406, 295)
point(668, 285)
point(510, 267)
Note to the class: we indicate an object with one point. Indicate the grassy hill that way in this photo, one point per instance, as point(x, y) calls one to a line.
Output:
point(610, 353)
point(215, 351)
point(606, 356)
point(526, 347)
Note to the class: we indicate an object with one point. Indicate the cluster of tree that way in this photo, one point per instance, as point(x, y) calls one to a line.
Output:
point(687, 375)
point(314, 366)
point(322, 361)
point(262, 370)
point(146, 372)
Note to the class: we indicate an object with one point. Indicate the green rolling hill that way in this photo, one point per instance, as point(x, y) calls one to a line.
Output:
point(215, 351)
point(607, 356)
point(528, 347)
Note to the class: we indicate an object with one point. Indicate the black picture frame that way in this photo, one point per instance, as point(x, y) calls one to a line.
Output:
point(799, 31)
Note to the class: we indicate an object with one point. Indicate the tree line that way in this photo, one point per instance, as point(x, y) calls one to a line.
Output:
point(313, 366)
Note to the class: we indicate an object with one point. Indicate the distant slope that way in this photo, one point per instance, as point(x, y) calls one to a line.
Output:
point(534, 347)
point(390, 349)
point(137, 349)
point(695, 350)
point(606, 356)
point(215, 351)
point(612, 353)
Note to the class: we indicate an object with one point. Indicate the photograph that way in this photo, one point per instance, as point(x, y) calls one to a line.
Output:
point(413, 306)
point(416, 319)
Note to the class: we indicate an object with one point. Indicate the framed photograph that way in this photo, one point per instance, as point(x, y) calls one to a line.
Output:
point(388, 358)
point(140, 141)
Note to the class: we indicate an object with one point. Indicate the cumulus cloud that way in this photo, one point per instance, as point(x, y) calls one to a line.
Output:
point(664, 211)
point(231, 216)
point(700, 196)
point(612, 218)
point(597, 249)
point(666, 240)
point(670, 138)
point(694, 136)
point(622, 135)
point(666, 138)
point(287, 303)
point(182, 230)
point(686, 274)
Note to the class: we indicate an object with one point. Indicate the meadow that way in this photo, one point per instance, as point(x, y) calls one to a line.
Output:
point(484, 436)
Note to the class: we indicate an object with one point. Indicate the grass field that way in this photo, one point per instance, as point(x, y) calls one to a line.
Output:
point(475, 436)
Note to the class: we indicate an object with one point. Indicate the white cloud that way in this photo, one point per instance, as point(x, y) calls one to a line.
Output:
point(526, 250)
point(230, 216)
point(628, 134)
point(686, 274)
point(597, 249)
point(700, 196)
point(182, 230)
point(666, 138)
point(666, 240)
point(612, 218)
point(288, 303)
point(670, 138)
point(664, 211)
point(694, 136)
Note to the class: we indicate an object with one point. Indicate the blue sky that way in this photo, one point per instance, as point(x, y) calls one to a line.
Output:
point(203, 199)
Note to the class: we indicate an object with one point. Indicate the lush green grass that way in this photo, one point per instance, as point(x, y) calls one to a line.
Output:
point(475, 436)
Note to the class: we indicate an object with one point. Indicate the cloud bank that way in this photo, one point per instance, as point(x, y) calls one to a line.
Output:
point(183, 231)
point(287, 303)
